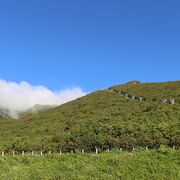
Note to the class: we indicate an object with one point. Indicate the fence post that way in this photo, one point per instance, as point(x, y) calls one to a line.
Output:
point(72, 151)
point(133, 149)
point(121, 149)
point(82, 151)
point(41, 153)
point(2, 153)
point(96, 150)
point(32, 153)
point(13, 153)
point(60, 152)
point(23, 153)
point(49, 152)
point(174, 147)
point(147, 148)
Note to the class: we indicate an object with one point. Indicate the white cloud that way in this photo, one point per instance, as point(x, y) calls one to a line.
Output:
point(22, 96)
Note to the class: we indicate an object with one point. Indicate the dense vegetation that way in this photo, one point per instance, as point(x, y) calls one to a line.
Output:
point(101, 119)
point(162, 164)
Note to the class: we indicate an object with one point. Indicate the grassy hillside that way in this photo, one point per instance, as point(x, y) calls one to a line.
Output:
point(150, 165)
point(102, 119)
point(153, 91)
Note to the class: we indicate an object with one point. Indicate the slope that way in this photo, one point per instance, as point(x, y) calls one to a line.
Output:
point(102, 119)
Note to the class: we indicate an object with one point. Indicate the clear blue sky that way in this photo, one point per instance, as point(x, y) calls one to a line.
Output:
point(89, 43)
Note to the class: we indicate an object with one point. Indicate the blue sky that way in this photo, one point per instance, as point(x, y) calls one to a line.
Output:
point(89, 43)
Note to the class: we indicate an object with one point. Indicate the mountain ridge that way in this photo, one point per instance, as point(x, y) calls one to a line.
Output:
point(5, 113)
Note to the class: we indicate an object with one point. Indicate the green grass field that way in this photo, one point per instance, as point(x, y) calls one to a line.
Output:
point(162, 164)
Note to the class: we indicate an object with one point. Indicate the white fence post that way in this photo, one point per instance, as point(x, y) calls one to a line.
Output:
point(82, 151)
point(23, 153)
point(32, 153)
point(147, 148)
point(41, 153)
point(49, 152)
point(2, 153)
point(60, 152)
point(13, 153)
point(121, 149)
point(96, 150)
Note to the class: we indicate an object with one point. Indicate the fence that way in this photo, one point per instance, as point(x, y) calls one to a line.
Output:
point(41, 153)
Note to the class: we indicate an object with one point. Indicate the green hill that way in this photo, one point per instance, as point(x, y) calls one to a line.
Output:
point(103, 119)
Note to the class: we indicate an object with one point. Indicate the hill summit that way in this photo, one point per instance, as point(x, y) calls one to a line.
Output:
point(134, 82)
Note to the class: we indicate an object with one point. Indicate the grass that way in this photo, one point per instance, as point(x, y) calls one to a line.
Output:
point(152, 165)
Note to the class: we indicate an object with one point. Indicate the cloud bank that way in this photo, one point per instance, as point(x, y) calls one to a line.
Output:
point(21, 96)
